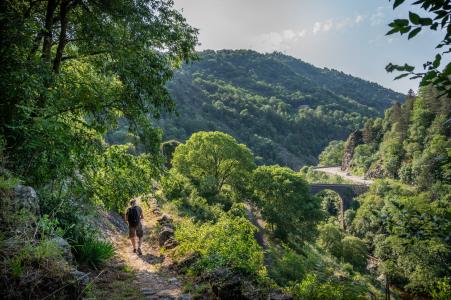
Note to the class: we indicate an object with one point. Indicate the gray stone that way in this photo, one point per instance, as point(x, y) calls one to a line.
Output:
point(81, 277)
point(165, 234)
point(25, 197)
point(65, 247)
point(165, 220)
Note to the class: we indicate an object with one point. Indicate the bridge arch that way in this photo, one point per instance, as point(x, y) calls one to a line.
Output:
point(346, 192)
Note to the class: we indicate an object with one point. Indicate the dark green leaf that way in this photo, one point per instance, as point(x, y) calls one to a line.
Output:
point(425, 21)
point(397, 3)
point(401, 76)
point(414, 32)
point(414, 18)
point(401, 22)
point(437, 61)
point(394, 30)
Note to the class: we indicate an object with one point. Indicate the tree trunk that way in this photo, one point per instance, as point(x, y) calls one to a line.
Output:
point(48, 31)
point(62, 38)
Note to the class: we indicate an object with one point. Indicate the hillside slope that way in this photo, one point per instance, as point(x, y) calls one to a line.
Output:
point(284, 109)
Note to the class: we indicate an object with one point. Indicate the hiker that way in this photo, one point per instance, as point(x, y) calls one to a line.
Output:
point(133, 217)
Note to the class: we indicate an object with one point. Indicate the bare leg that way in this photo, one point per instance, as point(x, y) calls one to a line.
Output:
point(140, 240)
point(133, 240)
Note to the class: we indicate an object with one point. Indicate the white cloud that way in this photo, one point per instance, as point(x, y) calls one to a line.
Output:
point(359, 19)
point(316, 27)
point(342, 24)
point(302, 33)
point(328, 25)
point(280, 41)
point(378, 17)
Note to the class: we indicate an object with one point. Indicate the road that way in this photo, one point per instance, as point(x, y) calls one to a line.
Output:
point(338, 172)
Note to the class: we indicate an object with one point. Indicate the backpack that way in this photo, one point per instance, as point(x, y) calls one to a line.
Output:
point(133, 216)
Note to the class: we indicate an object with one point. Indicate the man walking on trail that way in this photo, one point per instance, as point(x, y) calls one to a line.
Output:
point(133, 217)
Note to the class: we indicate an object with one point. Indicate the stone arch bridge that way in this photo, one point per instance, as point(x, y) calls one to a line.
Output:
point(347, 193)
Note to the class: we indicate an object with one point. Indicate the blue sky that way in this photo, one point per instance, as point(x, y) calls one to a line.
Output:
point(347, 35)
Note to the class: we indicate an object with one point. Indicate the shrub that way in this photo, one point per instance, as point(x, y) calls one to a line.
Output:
point(228, 243)
point(354, 252)
point(313, 288)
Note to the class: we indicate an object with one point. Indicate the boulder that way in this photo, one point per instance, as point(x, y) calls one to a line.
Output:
point(165, 234)
point(65, 247)
point(25, 197)
point(165, 220)
point(225, 284)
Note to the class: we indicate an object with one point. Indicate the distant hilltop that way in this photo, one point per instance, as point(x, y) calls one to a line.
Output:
point(284, 109)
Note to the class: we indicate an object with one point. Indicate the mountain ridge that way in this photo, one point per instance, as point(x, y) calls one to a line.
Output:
point(271, 102)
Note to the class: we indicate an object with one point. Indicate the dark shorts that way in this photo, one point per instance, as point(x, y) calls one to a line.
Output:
point(135, 231)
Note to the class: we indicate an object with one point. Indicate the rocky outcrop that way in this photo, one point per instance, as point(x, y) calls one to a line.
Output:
point(354, 139)
point(376, 170)
point(25, 197)
point(166, 233)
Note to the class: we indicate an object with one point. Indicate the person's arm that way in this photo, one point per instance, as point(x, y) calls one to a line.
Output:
point(141, 212)
point(126, 217)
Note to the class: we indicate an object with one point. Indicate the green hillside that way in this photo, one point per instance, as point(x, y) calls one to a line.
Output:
point(284, 109)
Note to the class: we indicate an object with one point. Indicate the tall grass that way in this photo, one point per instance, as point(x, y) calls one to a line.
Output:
point(94, 252)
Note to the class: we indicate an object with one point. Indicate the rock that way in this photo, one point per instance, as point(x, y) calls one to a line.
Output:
point(170, 243)
point(225, 284)
point(376, 170)
point(65, 247)
point(279, 296)
point(165, 220)
point(165, 234)
point(187, 261)
point(156, 211)
point(81, 277)
point(25, 197)
point(174, 281)
point(354, 139)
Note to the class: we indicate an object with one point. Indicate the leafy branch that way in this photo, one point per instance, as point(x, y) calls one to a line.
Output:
point(440, 18)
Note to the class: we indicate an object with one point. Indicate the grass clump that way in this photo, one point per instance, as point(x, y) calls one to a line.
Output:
point(94, 252)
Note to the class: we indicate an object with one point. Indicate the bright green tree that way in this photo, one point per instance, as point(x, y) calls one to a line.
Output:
point(214, 162)
point(333, 154)
point(285, 201)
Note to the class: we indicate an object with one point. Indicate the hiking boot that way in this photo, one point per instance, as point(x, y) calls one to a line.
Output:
point(139, 251)
point(134, 250)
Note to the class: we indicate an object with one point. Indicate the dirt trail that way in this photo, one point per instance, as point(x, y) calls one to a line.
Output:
point(154, 278)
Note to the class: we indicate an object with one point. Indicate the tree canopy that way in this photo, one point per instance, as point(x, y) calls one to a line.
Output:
point(284, 198)
point(212, 160)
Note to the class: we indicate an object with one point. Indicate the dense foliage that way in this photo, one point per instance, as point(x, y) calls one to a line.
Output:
point(411, 143)
point(285, 202)
point(286, 111)
point(405, 219)
point(332, 155)
point(71, 70)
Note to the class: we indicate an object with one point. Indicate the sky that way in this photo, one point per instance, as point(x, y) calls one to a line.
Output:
point(346, 35)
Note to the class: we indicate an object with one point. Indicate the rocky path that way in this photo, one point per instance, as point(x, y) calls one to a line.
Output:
point(154, 278)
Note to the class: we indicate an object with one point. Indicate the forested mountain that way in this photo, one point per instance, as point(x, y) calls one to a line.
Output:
point(272, 102)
